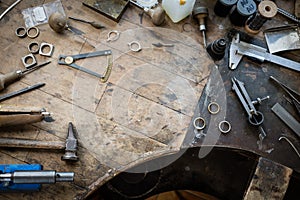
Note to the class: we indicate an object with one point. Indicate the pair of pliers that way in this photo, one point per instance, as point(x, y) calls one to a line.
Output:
point(70, 61)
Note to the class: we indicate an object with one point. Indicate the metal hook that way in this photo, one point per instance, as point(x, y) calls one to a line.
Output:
point(292, 145)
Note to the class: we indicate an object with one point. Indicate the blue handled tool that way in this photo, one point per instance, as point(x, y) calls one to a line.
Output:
point(29, 177)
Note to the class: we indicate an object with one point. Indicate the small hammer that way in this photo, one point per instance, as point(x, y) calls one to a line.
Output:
point(70, 146)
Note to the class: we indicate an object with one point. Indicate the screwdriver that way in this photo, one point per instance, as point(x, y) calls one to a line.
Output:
point(93, 24)
point(9, 78)
point(200, 14)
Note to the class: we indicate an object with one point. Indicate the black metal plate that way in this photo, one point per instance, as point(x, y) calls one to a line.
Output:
point(112, 9)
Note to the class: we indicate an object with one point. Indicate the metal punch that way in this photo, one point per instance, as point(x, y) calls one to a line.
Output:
point(70, 61)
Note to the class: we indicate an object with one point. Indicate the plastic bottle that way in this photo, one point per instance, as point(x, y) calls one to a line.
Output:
point(178, 9)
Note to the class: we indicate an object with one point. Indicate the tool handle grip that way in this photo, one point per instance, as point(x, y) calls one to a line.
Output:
point(20, 119)
point(8, 78)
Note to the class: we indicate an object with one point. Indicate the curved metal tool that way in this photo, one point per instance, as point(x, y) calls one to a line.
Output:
point(9, 8)
point(292, 145)
point(70, 61)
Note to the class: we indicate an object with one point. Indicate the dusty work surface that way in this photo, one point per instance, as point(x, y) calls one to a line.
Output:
point(146, 107)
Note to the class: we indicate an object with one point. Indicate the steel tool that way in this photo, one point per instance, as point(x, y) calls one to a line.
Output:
point(22, 91)
point(70, 145)
point(94, 24)
point(9, 78)
point(70, 61)
point(200, 14)
point(238, 49)
point(254, 117)
point(29, 177)
point(20, 115)
point(287, 118)
point(292, 93)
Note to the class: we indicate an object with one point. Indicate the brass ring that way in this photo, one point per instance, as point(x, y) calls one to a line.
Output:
point(37, 32)
point(210, 110)
point(221, 129)
point(21, 32)
point(201, 120)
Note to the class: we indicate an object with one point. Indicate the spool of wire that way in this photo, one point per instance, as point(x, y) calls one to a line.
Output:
point(266, 11)
point(223, 7)
point(242, 11)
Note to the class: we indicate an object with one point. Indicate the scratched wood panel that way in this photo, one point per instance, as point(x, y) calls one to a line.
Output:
point(105, 143)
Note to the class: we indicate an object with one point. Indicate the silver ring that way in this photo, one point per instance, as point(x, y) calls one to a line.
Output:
point(221, 128)
point(33, 47)
point(21, 32)
point(113, 36)
point(201, 121)
point(135, 43)
point(210, 110)
point(36, 30)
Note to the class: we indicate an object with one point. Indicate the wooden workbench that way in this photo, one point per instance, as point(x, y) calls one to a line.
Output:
point(142, 112)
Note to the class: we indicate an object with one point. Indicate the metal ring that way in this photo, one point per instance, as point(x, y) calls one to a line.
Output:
point(201, 120)
point(131, 44)
point(27, 58)
point(257, 119)
point(210, 110)
point(113, 38)
point(227, 123)
point(21, 32)
point(42, 48)
point(33, 47)
point(37, 32)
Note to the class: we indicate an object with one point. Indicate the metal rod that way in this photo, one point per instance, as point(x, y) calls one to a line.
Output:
point(292, 145)
point(9, 8)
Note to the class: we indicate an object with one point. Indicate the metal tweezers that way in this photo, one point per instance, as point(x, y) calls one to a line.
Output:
point(70, 61)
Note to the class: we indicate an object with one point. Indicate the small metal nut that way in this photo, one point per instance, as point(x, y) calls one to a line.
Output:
point(43, 47)
point(226, 123)
point(135, 43)
point(33, 29)
point(27, 58)
point(33, 47)
point(21, 32)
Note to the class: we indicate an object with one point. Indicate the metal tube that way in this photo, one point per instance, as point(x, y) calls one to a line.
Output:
point(9, 8)
point(41, 177)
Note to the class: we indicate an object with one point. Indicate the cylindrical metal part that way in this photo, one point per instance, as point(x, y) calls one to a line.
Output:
point(216, 50)
point(223, 7)
point(266, 10)
point(41, 177)
point(242, 11)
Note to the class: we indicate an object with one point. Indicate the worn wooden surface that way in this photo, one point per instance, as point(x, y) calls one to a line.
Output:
point(146, 107)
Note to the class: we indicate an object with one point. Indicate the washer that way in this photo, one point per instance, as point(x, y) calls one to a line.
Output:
point(21, 32)
point(34, 47)
point(210, 108)
point(225, 123)
point(201, 121)
point(113, 36)
point(135, 43)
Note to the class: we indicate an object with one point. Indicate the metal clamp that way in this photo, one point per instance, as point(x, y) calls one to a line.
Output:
point(113, 36)
point(43, 47)
point(135, 43)
point(211, 110)
point(201, 122)
point(26, 61)
point(221, 126)
point(34, 47)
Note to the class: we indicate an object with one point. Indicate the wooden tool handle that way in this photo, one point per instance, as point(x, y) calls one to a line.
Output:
point(31, 144)
point(20, 119)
